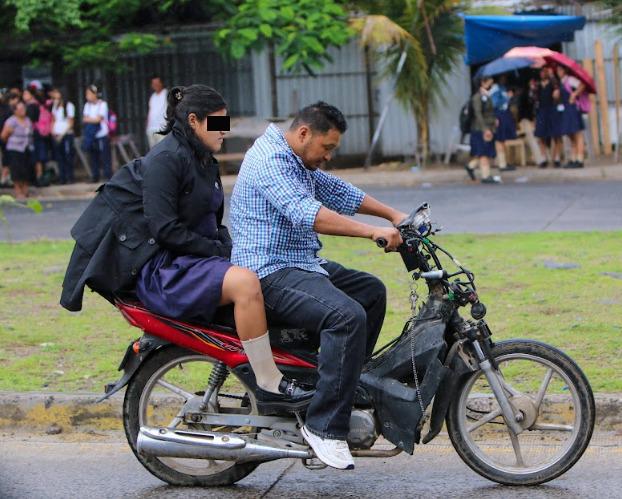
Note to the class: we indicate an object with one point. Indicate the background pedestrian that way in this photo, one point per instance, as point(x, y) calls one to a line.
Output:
point(95, 133)
point(64, 113)
point(156, 118)
point(17, 134)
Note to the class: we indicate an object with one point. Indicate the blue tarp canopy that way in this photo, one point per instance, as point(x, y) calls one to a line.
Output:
point(489, 37)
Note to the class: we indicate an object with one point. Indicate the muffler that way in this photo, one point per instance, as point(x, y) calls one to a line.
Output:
point(166, 442)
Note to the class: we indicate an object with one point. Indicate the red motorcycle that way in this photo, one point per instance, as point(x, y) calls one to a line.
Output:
point(191, 418)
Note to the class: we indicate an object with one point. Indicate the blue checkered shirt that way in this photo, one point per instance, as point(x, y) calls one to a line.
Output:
point(274, 204)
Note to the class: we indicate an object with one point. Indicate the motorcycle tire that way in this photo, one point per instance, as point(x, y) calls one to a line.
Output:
point(131, 424)
point(575, 382)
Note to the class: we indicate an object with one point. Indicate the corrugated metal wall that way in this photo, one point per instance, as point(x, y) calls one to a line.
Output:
point(341, 83)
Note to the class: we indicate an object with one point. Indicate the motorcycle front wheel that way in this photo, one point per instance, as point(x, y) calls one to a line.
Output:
point(555, 404)
point(156, 397)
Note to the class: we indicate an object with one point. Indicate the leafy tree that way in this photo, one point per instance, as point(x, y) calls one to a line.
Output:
point(615, 15)
point(96, 33)
point(430, 32)
point(301, 31)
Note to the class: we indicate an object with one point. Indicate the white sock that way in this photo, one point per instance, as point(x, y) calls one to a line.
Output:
point(259, 355)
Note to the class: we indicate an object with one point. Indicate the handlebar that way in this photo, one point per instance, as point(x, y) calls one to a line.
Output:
point(434, 274)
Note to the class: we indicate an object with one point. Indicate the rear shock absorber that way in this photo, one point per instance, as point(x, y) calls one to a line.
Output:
point(219, 374)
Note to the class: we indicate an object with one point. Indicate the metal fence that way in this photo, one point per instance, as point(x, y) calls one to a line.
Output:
point(190, 58)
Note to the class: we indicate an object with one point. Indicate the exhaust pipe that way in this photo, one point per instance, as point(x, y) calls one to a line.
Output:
point(165, 442)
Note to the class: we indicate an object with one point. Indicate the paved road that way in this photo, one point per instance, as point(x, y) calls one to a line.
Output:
point(45, 467)
point(458, 208)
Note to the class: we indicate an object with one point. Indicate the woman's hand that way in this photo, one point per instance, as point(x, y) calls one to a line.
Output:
point(488, 135)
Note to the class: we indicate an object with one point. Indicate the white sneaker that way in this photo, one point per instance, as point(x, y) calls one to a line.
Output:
point(335, 453)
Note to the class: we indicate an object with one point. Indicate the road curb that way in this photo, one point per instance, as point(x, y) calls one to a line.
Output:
point(387, 177)
point(76, 412)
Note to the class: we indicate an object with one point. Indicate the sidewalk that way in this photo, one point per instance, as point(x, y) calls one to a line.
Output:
point(392, 175)
point(78, 412)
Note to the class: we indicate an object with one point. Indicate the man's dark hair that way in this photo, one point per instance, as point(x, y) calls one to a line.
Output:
point(320, 117)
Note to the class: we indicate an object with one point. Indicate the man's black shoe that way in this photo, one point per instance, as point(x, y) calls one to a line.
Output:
point(294, 396)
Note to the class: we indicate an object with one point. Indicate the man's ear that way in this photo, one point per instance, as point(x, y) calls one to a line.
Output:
point(304, 132)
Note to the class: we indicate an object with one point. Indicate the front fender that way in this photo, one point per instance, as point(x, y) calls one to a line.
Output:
point(132, 360)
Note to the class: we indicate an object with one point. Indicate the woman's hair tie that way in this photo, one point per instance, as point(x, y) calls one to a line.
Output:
point(178, 94)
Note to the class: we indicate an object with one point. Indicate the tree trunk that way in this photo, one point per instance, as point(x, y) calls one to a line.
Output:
point(423, 136)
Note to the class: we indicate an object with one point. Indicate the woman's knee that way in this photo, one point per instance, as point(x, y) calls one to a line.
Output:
point(243, 285)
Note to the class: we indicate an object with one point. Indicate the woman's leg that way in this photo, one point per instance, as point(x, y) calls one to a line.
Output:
point(501, 159)
point(17, 189)
point(60, 161)
point(95, 161)
point(484, 166)
point(558, 145)
point(69, 152)
point(573, 147)
point(580, 141)
point(242, 288)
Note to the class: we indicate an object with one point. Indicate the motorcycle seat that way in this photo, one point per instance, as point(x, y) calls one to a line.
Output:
point(281, 335)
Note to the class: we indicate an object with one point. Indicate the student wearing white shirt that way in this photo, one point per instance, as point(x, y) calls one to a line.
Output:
point(64, 113)
point(95, 133)
point(156, 119)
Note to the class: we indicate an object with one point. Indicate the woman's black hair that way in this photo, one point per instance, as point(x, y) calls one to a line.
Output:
point(183, 101)
point(63, 101)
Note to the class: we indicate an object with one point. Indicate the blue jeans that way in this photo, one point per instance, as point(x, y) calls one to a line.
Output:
point(64, 154)
point(345, 311)
point(100, 158)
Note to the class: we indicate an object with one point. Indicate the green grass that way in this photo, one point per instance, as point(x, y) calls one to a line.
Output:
point(44, 347)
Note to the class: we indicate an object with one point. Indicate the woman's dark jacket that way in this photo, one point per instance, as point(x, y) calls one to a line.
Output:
point(148, 204)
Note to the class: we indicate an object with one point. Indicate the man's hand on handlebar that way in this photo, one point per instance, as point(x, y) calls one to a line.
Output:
point(387, 237)
point(398, 217)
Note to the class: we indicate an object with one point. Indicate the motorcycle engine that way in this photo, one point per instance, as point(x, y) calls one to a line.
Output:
point(363, 432)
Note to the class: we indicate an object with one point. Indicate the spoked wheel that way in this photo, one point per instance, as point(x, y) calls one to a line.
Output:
point(555, 405)
point(171, 379)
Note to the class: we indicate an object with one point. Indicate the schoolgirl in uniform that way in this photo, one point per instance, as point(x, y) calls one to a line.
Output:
point(546, 114)
point(506, 126)
point(568, 119)
point(482, 131)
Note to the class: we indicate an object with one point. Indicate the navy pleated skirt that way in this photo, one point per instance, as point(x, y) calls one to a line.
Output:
point(545, 121)
point(507, 126)
point(479, 147)
point(569, 121)
point(182, 287)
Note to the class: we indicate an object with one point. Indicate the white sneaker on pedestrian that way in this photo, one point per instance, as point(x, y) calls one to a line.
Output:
point(335, 453)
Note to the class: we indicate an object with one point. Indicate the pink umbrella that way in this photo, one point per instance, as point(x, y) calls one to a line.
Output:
point(530, 52)
point(536, 54)
point(573, 68)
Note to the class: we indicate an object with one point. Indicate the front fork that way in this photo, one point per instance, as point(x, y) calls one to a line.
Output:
point(479, 334)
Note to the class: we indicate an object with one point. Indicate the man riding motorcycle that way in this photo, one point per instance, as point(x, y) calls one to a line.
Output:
point(281, 201)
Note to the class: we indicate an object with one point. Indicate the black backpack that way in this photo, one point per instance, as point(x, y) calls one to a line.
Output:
point(466, 117)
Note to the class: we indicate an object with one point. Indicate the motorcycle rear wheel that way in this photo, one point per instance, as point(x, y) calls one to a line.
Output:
point(146, 404)
point(557, 406)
